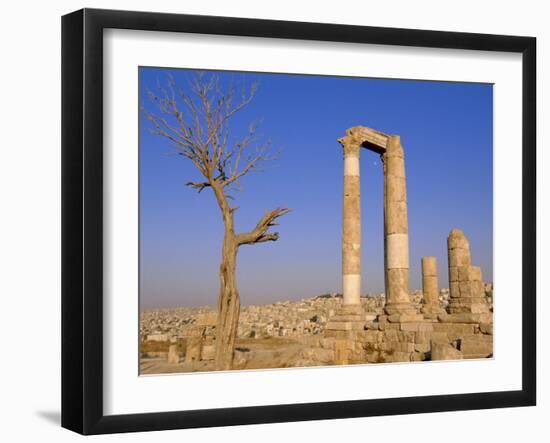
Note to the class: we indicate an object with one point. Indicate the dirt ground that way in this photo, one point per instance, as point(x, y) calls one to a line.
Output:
point(249, 354)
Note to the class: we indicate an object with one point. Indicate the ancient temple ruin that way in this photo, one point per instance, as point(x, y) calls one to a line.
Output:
point(415, 332)
point(398, 326)
point(396, 229)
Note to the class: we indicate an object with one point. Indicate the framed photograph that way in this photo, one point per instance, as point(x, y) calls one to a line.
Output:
point(269, 221)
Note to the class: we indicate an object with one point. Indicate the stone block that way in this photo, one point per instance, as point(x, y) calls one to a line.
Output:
point(475, 274)
point(342, 351)
point(339, 325)
point(459, 257)
point(486, 328)
point(440, 338)
point(454, 328)
point(417, 326)
point(457, 239)
point(445, 352)
point(390, 335)
point(406, 318)
point(398, 356)
point(397, 251)
point(321, 355)
point(464, 273)
point(193, 349)
point(422, 337)
point(157, 337)
point(372, 336)
point(372, 325)
point(465, 288)
point(396, 218)
point(396, 188)
point(429, 266)
point(454, 290)
point(351, 310)
point(392, 326)
point(336, 335)
point(370, 317)
point(395, 346)
point(467, 317)
point(347, 318)
point(453, 274)
point(406, 336)
point(208, 352)
point(477, 346)
point(422, 347)
point(328, 343)
point(418, 356)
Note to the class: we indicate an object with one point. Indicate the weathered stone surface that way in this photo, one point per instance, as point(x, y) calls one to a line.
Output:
point(320, 355)
point(398, 213)
point(486, 328)
point(193, 349)
point(396, 357)
point(397, 251)
point(157, 337)
point(417, 326)
point(430, 288)
point(466, 318)
point(467, 293)
point(405, 318)
point(351, 226)
point(345, 326)
point(445, 352)
point(396, 346)
point(342, 350)
point(457, 329)
point(396, 229)
point(373, 336)
point(396, 187)
point(208, 352)
point(477, 346)
point(422, 347)
point(173, 354)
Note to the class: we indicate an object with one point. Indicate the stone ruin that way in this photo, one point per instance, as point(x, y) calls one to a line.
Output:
point(402, 332)
point(398, 326)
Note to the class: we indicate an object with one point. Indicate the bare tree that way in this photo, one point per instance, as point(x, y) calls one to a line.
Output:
point(197, 123)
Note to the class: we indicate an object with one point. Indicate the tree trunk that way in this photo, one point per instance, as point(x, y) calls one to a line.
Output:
point(228, 304)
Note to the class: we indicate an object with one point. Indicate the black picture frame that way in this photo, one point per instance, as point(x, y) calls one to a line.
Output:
point(82, 220)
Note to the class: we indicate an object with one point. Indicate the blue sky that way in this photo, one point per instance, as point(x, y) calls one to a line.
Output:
point(446, 132)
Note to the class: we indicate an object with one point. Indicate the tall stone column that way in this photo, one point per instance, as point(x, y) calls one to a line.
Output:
point(351, 226)
point(396, 229)
point(430, 288)
point(349, 320)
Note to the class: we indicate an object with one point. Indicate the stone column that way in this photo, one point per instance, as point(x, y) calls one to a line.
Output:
point(396, 229)
point(465, 284)
point(351, 226)
point(430, 288)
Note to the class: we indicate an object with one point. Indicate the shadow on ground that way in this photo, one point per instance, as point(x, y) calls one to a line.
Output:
point(53, 417)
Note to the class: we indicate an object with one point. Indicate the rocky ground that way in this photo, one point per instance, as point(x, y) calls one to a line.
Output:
point(282, 334)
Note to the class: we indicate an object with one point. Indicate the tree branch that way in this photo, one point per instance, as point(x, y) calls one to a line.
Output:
point(198, 185)
point(259, 234)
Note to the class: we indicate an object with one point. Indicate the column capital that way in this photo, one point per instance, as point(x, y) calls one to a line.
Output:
point(351, 145)
point(394, 147)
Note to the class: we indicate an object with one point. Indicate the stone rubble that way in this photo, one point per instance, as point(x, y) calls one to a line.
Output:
point(321, 333)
